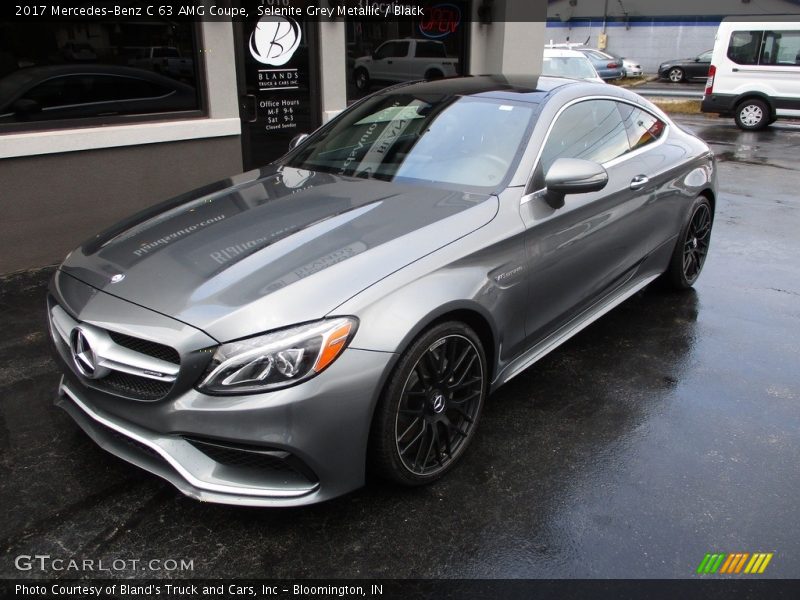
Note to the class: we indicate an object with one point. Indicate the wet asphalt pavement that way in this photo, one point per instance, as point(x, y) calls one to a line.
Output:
point(668, 429)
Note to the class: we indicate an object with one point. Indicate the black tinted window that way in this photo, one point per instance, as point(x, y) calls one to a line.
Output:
point(393, 50)
point(106, 87)
point(63, 73)
point(592, 130)
point(744, 46)
point(430, 50)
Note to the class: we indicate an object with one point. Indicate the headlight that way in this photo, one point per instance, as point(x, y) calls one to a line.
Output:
point(278, 359)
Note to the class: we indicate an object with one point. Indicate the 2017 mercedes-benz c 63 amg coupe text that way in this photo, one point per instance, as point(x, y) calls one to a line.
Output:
point(270, 339)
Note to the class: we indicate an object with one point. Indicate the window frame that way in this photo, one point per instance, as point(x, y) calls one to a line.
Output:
point(529, 191)
point(201, 112)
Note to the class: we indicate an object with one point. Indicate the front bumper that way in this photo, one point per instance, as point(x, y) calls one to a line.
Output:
point(289, 447)
point(311, 438)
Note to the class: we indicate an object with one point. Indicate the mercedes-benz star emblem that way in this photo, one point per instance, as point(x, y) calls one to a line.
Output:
point(118, 277)
point(83, 355)
point(438, 403)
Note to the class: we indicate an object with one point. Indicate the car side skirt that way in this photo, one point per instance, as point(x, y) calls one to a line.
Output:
point(650, 269)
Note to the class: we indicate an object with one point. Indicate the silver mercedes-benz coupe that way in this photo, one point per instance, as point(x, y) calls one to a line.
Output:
point(270, 339)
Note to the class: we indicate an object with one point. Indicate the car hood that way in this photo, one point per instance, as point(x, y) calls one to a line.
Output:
point(273, 247)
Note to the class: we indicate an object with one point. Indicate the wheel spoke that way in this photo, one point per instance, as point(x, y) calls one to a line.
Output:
point(410, 427)
point(463, 414)
point(413, 441)
point(471, 396)
point(455, 387)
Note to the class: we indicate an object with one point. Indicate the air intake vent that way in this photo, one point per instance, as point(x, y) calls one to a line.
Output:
point(133, 386)
point(153, 349)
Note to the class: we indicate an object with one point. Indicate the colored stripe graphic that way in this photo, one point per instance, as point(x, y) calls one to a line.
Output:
point(730, 564)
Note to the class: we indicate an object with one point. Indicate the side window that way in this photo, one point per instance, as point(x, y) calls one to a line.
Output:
point(400, 50)
point(393, 50)
point(60, 91)
point(642, 127)
point(592, 130)
point(385, 51)
point(430, 50)
point(781, 48)
point(705, 56)
point(744, 46)
point(107, 88)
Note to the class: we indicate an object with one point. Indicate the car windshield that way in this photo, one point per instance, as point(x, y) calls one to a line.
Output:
point(439, 139)
point(575, 67)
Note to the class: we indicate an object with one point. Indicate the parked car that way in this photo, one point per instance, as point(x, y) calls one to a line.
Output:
point(686, 69)
point(754, 72)
point(404, 60)
point(166, 60)
point(568, 63)
point(630, 67)
point(266, 339)
point(608, 67)
point(82, 91)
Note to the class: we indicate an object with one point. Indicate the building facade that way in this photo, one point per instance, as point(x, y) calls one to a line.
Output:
point(102, 118)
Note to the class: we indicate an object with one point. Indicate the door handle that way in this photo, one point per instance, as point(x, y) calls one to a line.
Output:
point(639, 182)
point(388, 62)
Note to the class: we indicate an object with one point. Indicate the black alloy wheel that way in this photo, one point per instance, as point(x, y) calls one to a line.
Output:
point(691, 250)
point(430, 412)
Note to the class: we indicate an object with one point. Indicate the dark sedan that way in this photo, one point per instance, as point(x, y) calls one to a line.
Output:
point(82, 91)
point(268, 339)
point(686, 69)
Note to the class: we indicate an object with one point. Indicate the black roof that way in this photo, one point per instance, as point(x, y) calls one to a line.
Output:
point(525, 88)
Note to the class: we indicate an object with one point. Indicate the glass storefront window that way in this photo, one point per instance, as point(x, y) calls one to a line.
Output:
point(68, 74)
point(382, 53)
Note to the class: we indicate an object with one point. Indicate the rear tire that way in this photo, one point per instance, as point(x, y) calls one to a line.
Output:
point(361, 79)
point(430, 409)
point(692, 246)
point(752, 115)
point(433, 74)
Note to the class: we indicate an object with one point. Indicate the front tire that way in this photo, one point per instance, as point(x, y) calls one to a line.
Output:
point(676, 75)
point(753, 115)
point(692, 246)
point(428, 414)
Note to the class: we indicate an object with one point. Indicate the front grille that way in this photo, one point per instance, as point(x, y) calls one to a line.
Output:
point(254, 458)
point(154, 349)
point(133, 386)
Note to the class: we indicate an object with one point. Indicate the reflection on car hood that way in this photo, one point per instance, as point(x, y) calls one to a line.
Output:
point(273, 247)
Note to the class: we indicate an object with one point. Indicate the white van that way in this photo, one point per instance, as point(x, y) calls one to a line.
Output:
point(755, 71)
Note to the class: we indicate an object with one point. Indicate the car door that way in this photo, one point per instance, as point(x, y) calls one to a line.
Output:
point(387, 64)
point(591, 245)
point(699, 68)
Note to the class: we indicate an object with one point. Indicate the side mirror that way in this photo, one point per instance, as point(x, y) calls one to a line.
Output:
point(26, 106)
point(374, 55)
point(297, 140)
point(573, 176)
